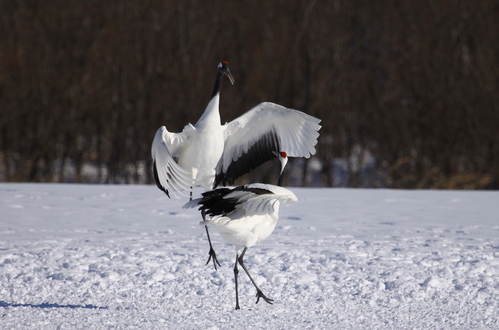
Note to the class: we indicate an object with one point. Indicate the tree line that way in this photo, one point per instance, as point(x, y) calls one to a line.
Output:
point(407, 90)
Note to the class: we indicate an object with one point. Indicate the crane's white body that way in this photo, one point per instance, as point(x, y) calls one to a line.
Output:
point(248, 214)
point(197, 148)
point(203, 146)
point(244, 216)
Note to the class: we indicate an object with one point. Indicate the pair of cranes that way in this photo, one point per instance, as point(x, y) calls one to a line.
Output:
point(209, 154)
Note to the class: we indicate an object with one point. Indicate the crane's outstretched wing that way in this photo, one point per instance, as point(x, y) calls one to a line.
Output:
point(252, 139)
point(169, 176)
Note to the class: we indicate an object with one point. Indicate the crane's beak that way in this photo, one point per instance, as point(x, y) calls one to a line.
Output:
point(284, 161)
point(229, 75)
point(225, 69)
point(283, 158)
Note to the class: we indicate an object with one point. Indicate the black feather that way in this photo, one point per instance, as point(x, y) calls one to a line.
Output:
point(260, 152)
point(215, 203)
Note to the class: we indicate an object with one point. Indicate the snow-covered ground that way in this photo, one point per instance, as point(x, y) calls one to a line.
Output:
point(126, 257)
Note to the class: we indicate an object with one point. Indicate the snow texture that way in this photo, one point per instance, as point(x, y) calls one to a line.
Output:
point(127, 257)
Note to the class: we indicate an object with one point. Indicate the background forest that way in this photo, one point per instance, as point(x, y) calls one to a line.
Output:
point(408, 91)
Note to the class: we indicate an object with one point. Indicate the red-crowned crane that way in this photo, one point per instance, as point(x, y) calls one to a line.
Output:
point(209, 153)
point(244, 216)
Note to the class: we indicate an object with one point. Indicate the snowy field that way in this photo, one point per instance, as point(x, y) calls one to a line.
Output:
point(126, 257)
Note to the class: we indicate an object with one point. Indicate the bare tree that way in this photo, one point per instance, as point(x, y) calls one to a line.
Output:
point(407, 91)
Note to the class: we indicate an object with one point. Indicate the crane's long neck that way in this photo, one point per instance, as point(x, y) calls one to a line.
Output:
point(218, 84)
point(279, 181)
point(211, 115)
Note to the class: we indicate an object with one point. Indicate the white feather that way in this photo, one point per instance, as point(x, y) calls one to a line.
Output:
point(297, 132)
point(172, 177)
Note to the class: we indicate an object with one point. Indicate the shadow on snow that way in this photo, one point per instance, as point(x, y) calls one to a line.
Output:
point(48, 305)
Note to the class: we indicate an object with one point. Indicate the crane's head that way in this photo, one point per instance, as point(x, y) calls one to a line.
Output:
point(283, 159)
point(223, 67)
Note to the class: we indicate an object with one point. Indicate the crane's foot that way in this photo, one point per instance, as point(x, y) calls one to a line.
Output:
point(213, 256)
point(260, 294)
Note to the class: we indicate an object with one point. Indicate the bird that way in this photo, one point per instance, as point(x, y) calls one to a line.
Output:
point(198, 148)
point(210, 154)
point(244, 216)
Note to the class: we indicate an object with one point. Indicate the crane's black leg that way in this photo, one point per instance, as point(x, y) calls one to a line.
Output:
point(212, 251)
point(259, 292)
point(236, 272)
